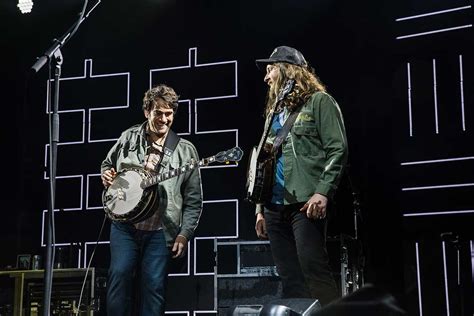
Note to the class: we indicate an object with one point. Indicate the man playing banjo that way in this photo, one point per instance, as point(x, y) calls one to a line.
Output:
point(141, 251)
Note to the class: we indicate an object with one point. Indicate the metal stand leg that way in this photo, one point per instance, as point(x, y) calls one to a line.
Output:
point(18, 296)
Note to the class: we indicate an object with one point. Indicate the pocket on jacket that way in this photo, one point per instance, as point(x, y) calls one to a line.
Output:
point(305, 130)
point(305, 140)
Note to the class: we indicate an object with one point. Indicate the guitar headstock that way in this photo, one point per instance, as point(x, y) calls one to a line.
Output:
point(289, 85)
point(231, 155)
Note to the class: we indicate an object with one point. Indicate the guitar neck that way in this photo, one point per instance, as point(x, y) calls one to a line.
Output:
point(285, 91)
point(266, 130)
point(176, 172)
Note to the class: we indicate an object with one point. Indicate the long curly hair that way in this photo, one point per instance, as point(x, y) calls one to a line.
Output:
point(306, 83)
point(163, 92)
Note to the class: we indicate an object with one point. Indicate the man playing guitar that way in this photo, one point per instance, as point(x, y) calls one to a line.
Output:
point(310, 153)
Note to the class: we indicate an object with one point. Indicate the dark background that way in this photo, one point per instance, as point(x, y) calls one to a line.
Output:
point(353, 47)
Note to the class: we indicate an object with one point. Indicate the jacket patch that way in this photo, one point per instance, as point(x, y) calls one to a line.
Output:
point(304, 117)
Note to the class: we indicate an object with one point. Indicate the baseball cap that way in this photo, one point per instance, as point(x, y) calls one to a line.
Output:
point(283, 54)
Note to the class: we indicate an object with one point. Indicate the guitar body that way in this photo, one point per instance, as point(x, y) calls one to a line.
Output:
point(125, 201)
point(259, 178)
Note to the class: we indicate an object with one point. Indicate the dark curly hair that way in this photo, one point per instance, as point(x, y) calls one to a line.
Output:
point(163, 92)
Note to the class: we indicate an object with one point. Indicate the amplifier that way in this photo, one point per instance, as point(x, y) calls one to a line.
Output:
point(245, 275)
point(259, 271)
point(252, 258)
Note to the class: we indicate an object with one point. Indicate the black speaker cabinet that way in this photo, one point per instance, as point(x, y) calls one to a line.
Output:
point(368, 301)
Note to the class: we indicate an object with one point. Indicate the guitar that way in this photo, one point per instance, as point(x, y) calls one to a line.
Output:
point(260, 168)
point(132, 198)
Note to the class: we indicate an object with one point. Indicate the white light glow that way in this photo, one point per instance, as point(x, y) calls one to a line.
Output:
point(25, 6)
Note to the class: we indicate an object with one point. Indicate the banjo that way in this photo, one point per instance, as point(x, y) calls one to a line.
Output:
point(260, 167)
point(132, 196)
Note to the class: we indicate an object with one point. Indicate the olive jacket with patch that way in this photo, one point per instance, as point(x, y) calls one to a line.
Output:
point(315, 150)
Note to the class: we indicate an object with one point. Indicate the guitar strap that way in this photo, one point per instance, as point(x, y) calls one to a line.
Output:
point(283, 132)
point(169, 146)
point(289, 85)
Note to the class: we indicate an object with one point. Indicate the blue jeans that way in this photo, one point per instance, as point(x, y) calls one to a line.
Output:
point(139, 262)
point(298, 247)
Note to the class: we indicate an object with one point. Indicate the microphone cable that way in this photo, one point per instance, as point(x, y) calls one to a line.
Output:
point(88, 267)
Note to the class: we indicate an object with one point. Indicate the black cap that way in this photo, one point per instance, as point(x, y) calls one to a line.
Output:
point(283, 54)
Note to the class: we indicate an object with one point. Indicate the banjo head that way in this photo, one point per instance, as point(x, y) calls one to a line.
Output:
point(121, 199)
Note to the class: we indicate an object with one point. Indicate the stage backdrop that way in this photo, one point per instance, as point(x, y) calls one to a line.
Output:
point(404, 98)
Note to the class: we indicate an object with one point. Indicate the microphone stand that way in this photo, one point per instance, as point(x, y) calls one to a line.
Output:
point(450, 238)
point(53, 149)
point(54, 56)
point(358, 275)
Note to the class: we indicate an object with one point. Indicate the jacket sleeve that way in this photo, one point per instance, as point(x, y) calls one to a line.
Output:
point(110, 160)
point(191, 191)
point(334, 143)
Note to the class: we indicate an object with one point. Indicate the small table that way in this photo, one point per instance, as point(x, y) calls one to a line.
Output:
point(22, 275)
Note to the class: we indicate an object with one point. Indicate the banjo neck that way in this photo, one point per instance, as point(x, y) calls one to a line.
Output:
point(231, 155)
point(151, 181)
point(287, 89)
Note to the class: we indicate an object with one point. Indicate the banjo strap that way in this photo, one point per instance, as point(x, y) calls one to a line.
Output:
point(169, 146)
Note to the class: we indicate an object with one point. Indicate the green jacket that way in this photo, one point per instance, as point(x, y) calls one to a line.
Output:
point(315, 150)
point(180, 197)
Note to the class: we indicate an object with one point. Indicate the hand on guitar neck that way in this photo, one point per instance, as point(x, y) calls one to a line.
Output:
point(266, 153)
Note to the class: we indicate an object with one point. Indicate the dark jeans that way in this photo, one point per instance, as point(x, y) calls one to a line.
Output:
point(298, 246)
point(136, 253)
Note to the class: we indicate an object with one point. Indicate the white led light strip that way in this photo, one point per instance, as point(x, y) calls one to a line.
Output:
point(432, 13)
